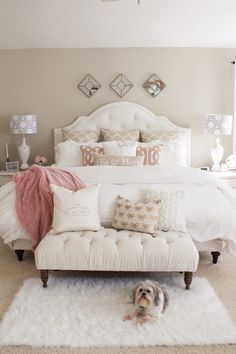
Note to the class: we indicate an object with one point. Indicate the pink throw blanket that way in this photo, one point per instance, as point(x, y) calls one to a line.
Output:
point(34, 199)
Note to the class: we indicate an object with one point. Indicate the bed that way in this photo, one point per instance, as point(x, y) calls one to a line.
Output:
point(210, 205)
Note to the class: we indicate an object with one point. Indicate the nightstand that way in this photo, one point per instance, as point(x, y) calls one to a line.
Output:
point(6, 177)
point(228, 177)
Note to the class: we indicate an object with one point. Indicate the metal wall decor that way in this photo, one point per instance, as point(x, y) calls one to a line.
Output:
point(121, 85)
point(154, 85)
point(89, 85)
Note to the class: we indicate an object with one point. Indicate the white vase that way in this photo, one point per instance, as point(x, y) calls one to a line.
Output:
point(24, 153)
point(217, 153)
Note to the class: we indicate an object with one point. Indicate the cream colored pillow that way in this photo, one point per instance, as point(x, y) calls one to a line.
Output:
point(172, 215)
point(120, 148)
point(81, 136)
point(111, 135)
point(75, 211)
point(162, 135)
point(136, 216)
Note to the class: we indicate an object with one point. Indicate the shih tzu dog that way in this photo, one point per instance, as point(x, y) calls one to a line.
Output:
point(150, 301)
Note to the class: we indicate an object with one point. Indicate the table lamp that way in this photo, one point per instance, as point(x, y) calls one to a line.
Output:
point(23, 124)
point(217, 124)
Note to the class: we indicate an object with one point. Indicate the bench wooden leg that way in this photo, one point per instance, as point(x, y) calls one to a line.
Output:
point(215, 256)
point(19, 254)
point(44, 277)
point(188, 279)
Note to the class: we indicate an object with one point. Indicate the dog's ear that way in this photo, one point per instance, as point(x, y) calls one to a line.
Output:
point(133, 295)
point(156, 291)
point(166, 300)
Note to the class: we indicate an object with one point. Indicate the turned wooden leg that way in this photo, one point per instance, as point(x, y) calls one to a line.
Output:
point(215, 256)
point(19, 254)
point(44, 277)
point(188, 279)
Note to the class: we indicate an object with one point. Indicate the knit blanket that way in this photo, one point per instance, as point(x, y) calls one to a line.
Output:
point(34, 198)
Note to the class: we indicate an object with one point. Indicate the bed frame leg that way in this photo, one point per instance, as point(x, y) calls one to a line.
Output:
point(44, 277)
point(215, 256)
point(188, 276)
point(19, 254)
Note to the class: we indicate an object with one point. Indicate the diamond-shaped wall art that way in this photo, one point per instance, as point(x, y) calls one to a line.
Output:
point(121, 85)
point(154, 85)
point(89, 85)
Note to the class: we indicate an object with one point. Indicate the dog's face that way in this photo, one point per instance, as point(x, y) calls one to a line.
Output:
point(144, 296)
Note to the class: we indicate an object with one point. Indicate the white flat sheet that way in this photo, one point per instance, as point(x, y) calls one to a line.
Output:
point(210, 204)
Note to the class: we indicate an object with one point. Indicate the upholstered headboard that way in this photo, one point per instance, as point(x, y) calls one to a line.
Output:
point(124, 116)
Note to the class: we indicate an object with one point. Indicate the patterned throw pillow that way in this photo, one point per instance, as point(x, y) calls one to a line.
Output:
point(172, 216)
point(162, 135)
point(87, 154)
point(136, 216)
point(151, 154)
point(101, 160)
point(81, 136)
point(110, 135)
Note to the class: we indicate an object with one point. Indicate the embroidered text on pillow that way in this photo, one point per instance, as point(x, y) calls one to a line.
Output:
point(101, 160)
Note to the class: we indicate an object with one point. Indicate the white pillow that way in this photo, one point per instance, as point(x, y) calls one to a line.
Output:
point(120, 148)
point(75, 211)
point(173, 152)
point(172, 209)
point(68, 153)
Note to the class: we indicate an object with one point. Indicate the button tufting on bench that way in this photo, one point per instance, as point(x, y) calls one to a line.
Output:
point(133, 251)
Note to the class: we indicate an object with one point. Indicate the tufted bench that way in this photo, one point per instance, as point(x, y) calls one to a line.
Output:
point(112, 250)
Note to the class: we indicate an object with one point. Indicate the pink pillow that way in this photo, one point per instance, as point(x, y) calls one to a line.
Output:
point(152, 155)
point(87, 154)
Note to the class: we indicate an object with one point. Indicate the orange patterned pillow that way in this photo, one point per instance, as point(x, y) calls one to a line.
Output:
point(87, 154)
point(152, 154)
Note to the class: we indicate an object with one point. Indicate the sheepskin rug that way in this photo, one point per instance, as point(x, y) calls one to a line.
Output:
point(88, 312)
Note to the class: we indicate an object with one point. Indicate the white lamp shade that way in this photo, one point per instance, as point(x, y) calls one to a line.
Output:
point(218, 124)
point(23, 124)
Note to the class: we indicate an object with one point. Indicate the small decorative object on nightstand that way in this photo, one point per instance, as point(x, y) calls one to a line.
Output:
point(231, 162)
point(40, 160)
point(23, 124)
point(12, 166)
point(217, 124)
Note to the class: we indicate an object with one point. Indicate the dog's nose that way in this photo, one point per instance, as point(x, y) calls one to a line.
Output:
point(143, 293)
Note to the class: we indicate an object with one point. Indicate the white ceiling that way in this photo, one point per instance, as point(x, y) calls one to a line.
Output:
point(123, 23)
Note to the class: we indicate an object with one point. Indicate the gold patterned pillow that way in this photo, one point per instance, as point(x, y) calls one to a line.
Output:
point(162, 135)
point(136, 216)
point(111, 135)
point(81, 136)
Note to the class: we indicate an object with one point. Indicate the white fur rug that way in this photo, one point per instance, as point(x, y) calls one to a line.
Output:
point(88, 312)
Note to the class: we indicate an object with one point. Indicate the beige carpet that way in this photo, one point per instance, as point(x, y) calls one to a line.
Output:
point(222, 276)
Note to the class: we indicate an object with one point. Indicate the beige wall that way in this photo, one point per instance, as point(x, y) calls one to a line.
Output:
point(44, 82)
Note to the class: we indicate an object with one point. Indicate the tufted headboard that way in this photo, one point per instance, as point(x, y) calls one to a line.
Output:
point(124, 116)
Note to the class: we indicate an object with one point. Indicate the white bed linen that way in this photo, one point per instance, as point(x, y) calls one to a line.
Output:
point(210, 204)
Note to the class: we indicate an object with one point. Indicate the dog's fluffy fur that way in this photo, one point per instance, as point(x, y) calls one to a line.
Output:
point(150, 301)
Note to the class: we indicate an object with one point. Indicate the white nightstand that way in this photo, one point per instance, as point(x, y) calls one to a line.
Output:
point(6, 177)
point(228, 176)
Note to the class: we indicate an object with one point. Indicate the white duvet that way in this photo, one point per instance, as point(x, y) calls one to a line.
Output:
point(210, 204)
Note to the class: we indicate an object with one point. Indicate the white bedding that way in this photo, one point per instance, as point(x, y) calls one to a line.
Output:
point(210, 204)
